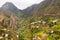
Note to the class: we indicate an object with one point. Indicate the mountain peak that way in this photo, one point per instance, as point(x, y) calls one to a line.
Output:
point(9, 6)
point(8, 3)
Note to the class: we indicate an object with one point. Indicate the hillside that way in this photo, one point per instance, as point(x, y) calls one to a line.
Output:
point(9, 8)
point(10, 17)
point(45, 21)
point(37, 22)
point(47, 7)
point(30, 8)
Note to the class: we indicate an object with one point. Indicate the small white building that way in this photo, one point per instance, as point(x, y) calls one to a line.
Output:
point(52, 31)
point(55, 20)
point(43, 22)
point(39, 21)
point(4, 29)
point(37, 26)
point(33, 38)
point(1, 37)
point(17, 36)
point(6, 35)
point(32, 23)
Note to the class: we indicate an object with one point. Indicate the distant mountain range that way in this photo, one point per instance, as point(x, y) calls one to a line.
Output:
point(45, 8)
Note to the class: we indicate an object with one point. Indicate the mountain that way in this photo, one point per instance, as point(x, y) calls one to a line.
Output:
point(9, 6)
point(29, 9)
point(9, 9)
point(47, 8)
point(10, 15)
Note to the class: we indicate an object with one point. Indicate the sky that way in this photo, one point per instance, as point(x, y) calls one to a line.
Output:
point(21, 4)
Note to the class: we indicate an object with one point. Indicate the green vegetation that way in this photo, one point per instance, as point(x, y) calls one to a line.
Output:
point(42, 24)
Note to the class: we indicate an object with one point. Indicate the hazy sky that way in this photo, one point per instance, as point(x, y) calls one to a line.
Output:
point(21, 4)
